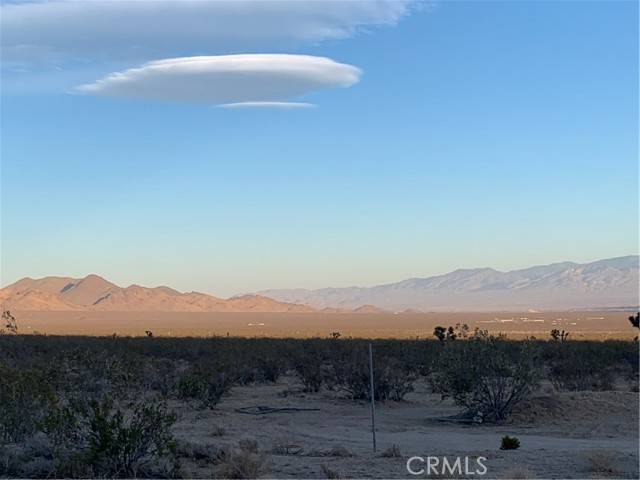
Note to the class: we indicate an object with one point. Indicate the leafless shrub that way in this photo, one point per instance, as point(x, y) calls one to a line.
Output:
point(218, 431)
point(330, 473)
point(392, 452)
point(198, 452)
point(311, 374)
point(338, 451)
point(601, 463)
point(285, 448)
point(249, 444)
point(242, 463)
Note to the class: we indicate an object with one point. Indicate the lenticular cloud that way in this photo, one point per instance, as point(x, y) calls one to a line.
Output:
point(227, 79)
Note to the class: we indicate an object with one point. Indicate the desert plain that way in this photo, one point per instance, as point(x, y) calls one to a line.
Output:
point(233, 407)
point(582, 324)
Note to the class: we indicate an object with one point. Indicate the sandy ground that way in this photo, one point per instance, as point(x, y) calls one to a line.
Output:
point(559, 434)
point(581, 325)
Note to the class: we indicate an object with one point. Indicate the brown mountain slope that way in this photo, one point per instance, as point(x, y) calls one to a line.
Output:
point(136, 298)
point(96, 293)
point(87, 291)
point(259, 303)
point(369, 309)
point(47, 284)
point(32, 299)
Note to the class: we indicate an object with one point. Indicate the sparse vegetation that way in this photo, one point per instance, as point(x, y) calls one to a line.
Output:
point(55, 420)
point(25, 400)
point(588, 365)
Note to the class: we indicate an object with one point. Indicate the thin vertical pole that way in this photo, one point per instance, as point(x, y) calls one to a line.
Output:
point(372, 393)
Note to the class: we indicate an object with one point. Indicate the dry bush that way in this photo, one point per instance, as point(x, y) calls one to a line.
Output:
point(330, 473)
point(162, 375)
point(263, 370)
point(242, 462)
point(601, 463)
point(198, 452)
point(249, 444)
point(218, 431)
point(338, 451)
point(311, 374)
point(392, 452)
point(285, 446)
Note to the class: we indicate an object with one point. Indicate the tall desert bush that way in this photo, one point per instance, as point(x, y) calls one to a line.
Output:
point(486, 375)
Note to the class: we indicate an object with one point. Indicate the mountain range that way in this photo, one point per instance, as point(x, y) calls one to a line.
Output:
point(95, 293)
point(608, 283)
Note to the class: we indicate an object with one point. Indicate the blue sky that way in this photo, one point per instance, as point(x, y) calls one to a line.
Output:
point(499, 134)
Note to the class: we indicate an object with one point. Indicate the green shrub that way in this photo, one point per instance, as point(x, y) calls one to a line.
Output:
point(509, 443)
point(392, 381)
point(270, 368)
point(125, 444)
point(487, 376)
point(207, 387)
point(310, 368)
point(25, 400)
point(585, 366)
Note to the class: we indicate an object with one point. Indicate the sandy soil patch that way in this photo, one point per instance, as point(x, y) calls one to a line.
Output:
point(565, 435)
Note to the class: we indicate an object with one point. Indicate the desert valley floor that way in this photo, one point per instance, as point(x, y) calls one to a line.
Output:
point(563, 435)
point(580, 324)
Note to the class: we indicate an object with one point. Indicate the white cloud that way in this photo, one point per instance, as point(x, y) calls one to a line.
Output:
point(89, 30)
point(239, 80)
point(284, 105)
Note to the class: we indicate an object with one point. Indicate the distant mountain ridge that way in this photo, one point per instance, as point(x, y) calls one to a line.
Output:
point(604, 283)
point(95, 293)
